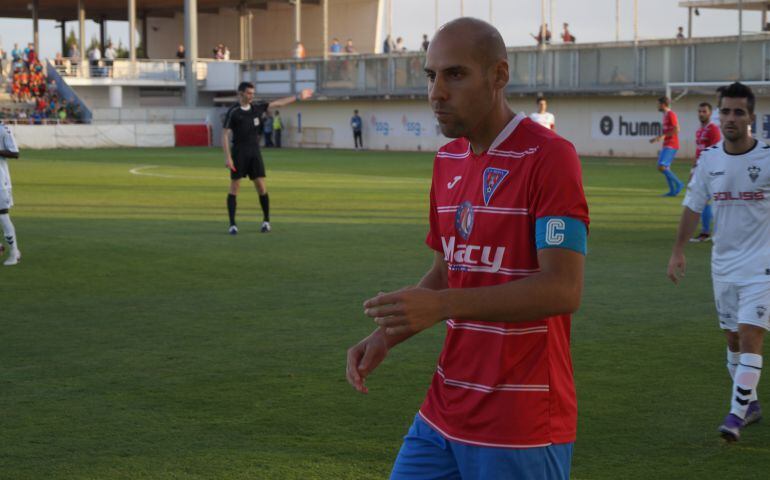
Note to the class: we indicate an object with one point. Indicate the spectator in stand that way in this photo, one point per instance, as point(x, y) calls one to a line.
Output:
point(566, 35)
point(109, 58)
point(94, 57)
point(226, 53)
point(31, 55)
point(387, 45)
point(299, 51)
point(543, 35)
point(400, 47)
point(349, 48)
point(425, 42)
point(58, 61)
point(180, 54)
point(3, 64)
point(219, 52)
point(16, 53)
point(335, 46)
point(25, 54)
point(277, 128)
point(680, 33)
point(74, 56)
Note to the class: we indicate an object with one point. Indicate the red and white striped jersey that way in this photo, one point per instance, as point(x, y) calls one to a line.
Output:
point(503, 384)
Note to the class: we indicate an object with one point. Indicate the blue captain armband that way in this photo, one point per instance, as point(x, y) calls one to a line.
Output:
point(561, 232)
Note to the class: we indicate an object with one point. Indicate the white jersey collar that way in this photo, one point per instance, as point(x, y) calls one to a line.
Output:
point(507, 131)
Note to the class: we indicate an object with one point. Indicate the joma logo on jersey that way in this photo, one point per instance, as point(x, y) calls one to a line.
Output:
point(745, 196)
point(472, 256)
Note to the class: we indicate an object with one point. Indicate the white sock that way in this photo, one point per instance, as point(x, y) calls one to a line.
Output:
point(8, 231)
point(745, 383)
point(732, 362)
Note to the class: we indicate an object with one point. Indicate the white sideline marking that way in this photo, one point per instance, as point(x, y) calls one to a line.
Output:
point(140, 171)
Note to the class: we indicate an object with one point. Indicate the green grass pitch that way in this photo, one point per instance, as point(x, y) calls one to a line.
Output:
point(139, 341)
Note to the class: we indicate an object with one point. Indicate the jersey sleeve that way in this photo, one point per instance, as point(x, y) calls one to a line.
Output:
point(714, 135)
point(433, 240)
point(557, 199)
point(8, 142)
point(698, 194)
point(227, 122)
point(261, 107)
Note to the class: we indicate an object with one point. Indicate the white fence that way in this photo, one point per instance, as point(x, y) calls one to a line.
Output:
point(93, 136)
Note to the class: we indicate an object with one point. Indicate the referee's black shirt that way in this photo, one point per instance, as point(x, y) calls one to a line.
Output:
point(245, 124)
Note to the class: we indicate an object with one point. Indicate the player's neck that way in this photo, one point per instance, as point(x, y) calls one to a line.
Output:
point(481, 139)
point(740, 146)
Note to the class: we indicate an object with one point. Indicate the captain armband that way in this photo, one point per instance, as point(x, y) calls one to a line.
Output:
point(561, 232)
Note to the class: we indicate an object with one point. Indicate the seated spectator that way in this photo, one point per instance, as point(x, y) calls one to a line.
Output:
point(387, 45)
point(335, 46)
point(299, 51)
point(680, 33)
point(400, 47)
point(349, 48)
point(226, 53)
point(58, 60)
point(566, 36)
point(543, 35)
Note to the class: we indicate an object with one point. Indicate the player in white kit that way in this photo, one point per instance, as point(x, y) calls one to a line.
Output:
point(8, 149)
point(543, 116)
point(735, 175)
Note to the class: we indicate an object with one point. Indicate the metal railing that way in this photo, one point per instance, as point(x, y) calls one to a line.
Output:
point(616, 67)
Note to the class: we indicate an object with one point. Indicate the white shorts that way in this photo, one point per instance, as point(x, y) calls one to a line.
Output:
point(6, 198)
point(749, 303)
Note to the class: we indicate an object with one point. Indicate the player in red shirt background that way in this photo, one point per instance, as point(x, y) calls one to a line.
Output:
point(707, 135)
point(670, 137)
point(508, 226)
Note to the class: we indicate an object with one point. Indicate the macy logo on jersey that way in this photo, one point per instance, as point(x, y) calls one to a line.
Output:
point(472, 257)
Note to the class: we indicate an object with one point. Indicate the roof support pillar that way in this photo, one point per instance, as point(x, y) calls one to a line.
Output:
point(36, 25)
point(191, 52)
point(325, 29)
point(297, 21)
point(132, 35)
point(246, 19)
point(82, 38)
point(689, 22)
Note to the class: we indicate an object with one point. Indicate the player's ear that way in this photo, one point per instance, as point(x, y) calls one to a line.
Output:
point(501, 74)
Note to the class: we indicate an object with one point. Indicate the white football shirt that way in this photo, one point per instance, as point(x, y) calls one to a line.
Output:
point(7, 143)
point(545, 119)
point(739, 186)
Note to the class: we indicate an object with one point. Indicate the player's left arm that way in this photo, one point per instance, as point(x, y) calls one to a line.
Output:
point(555, 290)
point(282, 102)
point(10, 149)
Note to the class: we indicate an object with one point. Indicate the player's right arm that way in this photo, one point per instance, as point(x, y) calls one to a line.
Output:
point(367, 354)
point(695, 201)
point(10, 149)
point(226, 147)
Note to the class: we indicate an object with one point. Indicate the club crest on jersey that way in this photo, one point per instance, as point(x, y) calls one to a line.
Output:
point(493, 177)
point(754, 172)
point(464, 219)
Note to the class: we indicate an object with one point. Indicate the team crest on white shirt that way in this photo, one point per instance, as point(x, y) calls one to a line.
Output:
point(493, 177)
point(754, 172)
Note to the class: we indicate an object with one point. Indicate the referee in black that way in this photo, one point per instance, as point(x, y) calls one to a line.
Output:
point(242, 155)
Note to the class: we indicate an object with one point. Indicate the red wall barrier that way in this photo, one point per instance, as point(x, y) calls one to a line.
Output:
point(192, 136)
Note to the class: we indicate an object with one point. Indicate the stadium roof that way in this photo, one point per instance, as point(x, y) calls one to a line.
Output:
point(118, 9)
point(725, 4)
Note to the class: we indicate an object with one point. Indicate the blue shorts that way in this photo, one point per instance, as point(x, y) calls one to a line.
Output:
point(425, 455)
point(666, 157)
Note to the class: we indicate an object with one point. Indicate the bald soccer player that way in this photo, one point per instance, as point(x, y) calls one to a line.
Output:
point(508, 228)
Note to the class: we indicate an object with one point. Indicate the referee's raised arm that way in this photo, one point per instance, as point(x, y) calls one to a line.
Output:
point(282, 102)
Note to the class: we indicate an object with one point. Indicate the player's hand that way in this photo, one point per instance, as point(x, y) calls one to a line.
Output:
point(410, 310)
point(653, 139)
point(305, 94)
point(676, 267)
point(364, 357)
point(229, 164)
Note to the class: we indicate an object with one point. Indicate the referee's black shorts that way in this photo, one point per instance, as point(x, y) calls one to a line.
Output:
point(247, 161)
